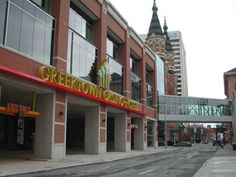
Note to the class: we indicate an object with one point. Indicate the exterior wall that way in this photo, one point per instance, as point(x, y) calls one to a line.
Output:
point(234, 120)
point(54, 139)
point(231, 81)
point(230, 92)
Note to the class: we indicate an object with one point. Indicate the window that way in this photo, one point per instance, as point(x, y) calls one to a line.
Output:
point(29, 30)
point(112, 49)
point(80, 25)
point(3, 6)
point(149, 95)
point(160, 76)
point(44, 4)
point(177, 67)
point(82, 56)
point(134, 65)
point(116, 69)
point(135, 79)
point(149, 87)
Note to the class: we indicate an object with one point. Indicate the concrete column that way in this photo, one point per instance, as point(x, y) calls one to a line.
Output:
point(44, 126)
point(139, 135)
point(121, 143)
point(92, 132)
point(50, 128)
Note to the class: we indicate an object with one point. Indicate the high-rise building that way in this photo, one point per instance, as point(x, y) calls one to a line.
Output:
point(179, 62)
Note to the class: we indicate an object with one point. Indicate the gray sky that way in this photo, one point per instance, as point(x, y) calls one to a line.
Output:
point(208, 29)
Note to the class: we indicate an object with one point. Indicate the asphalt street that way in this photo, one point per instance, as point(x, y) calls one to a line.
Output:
point(181, 162)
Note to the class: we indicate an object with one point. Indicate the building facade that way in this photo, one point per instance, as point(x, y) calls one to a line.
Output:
point(74, 77)
point(179, 62)
point(158, 40)
point(230, 92)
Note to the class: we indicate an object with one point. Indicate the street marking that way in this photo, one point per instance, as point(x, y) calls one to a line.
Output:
point(145, 172)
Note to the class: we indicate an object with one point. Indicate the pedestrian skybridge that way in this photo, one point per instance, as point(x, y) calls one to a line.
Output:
point(192, 109)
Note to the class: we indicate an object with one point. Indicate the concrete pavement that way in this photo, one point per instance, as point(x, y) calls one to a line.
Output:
point(222, 165)
point(11, 164)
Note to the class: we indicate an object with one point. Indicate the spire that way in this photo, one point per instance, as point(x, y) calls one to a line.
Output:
point(167, 43)
point(165, 27)
point(155, 27)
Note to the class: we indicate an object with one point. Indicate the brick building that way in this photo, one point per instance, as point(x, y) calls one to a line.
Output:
point(230, 91)
point(74, 78)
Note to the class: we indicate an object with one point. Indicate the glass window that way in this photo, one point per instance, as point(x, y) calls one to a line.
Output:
point(45, 4)
point(149, 95)
point(26, 36)
point(38, 2)
point(81, 53)
point(29, 7)
point(78, 24)
point(48, 45)
point(81, 57)
point(18, 2)
point(2, 19)
point(134, 65)
point(30, 30)
point(135, 79)
point(14, 25)
point(135, 87)
point(38, 43)
point(109, 47)
point(148, 76)
point(112, 49)
point(149, 87)
point(116, 71)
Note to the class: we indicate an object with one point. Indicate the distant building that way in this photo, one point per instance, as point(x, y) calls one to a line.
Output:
point(179, 62)
point(158, 40)
point(230, 83)
point(230, 92)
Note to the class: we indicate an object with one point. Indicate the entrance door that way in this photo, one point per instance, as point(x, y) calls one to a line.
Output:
point(110, 134)
point(75, 134)
point(150, 133)
point(10, 132)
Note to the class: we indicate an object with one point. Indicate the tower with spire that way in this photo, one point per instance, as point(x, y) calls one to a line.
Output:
point(159, 42)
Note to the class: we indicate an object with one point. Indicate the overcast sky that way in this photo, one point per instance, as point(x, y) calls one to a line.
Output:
point(208, 29)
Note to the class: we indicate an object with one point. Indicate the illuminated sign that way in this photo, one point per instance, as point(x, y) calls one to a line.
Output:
point(68, 81)
point(15, 109)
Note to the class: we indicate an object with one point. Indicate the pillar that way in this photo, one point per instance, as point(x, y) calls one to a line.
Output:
point(128, 130)
point(139, 135)
point(121, 143)
point(92, 132)
point(44, 126)
point(50, 127)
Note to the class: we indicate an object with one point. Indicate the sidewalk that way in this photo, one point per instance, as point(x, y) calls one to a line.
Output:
point(222, 165)
point(23, 164)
